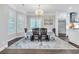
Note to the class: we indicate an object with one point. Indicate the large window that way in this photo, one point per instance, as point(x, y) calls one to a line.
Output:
point(35, 23)
point(38, 22)
point(20, 22)
point(12, 22)
point(15, 24)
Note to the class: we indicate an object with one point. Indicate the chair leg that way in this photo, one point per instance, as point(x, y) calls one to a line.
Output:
point(32, 38)
point(40, 38)
point(26, 38)
point(47, 38)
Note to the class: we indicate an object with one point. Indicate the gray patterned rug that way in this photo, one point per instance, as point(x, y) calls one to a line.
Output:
point(52, 44)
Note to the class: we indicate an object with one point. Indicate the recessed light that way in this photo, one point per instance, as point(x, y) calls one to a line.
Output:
point(22, 4)
point(70, 8)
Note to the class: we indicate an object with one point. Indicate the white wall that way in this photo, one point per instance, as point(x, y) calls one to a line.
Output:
point(67, 24)
point(74, 36)
point(56, 24)
point(3, 26)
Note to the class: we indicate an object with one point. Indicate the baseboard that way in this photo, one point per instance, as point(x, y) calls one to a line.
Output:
point(3, 47)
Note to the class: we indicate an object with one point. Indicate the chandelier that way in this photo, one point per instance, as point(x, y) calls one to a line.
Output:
point(39, 11)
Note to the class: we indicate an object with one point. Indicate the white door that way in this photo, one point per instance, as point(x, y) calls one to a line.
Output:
point(62, 26)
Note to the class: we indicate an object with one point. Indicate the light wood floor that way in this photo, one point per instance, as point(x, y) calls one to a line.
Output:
point(39, 51)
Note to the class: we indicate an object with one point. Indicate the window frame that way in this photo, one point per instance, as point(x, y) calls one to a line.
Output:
point(12, 11)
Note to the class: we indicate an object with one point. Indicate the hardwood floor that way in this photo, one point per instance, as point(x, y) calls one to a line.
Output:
point(40, 51)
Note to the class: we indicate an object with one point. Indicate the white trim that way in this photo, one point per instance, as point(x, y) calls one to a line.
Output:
point(3, 46)
point(13, 36)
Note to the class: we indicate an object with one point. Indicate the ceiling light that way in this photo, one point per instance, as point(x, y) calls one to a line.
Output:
point(39, 11)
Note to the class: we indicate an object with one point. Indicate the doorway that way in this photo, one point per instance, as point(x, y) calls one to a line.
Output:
point(62, 28)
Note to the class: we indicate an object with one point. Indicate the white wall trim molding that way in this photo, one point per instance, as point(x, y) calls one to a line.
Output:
point(15, 35)
point(3, 46)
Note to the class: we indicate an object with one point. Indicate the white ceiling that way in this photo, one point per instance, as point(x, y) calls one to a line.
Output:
point(50, 7)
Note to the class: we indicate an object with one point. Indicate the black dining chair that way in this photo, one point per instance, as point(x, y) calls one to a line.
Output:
point(44, 35)
point(54, 31)
point(25, 30)
point(35, 35)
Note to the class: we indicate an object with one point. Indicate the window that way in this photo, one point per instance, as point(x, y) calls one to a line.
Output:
point(20, 22)
point(35, 23)
point(12, 22)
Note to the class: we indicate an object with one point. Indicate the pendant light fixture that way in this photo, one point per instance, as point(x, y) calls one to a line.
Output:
point(39, 11)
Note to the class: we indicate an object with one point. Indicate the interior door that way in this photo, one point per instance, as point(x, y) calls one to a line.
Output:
point(62, 27)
